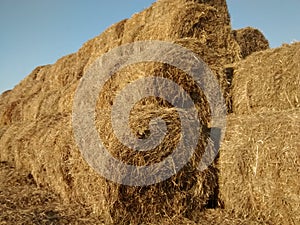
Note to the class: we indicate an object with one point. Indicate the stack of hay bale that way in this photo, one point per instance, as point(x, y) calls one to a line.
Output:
point(36, 132)
point(260, 158)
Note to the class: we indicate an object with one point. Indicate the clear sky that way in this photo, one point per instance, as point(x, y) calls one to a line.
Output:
point(38, 32)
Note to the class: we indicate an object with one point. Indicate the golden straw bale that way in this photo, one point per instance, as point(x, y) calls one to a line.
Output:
point(250, 40)
point(260, 165)
point(267, 81)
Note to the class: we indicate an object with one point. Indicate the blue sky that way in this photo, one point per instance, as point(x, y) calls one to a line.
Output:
point(38, 32)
